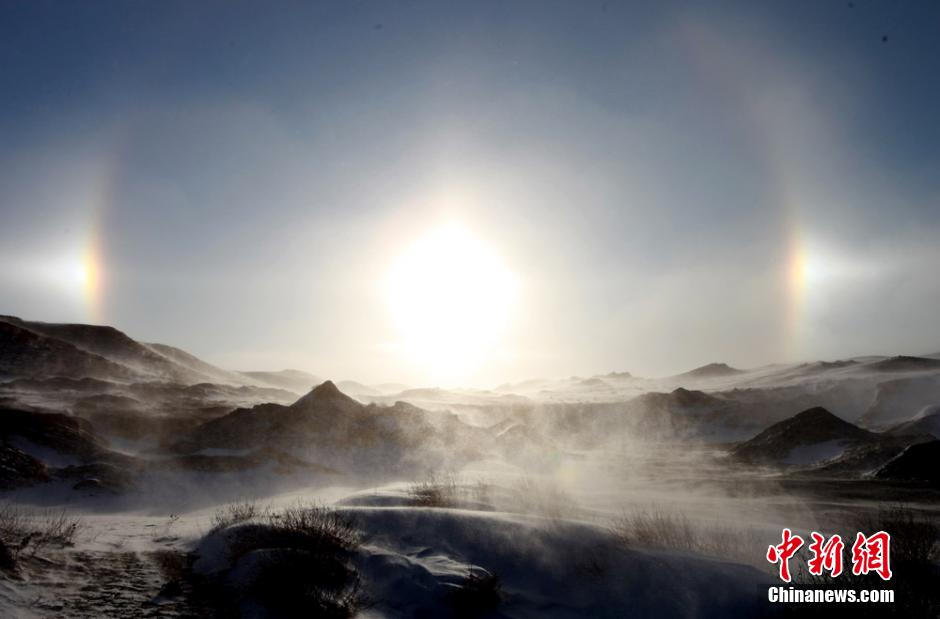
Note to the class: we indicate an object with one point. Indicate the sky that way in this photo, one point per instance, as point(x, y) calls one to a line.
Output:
point(470, 193)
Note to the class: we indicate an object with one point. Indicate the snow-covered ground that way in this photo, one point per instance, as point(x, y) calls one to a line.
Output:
point(535, 485)
point(553, 554)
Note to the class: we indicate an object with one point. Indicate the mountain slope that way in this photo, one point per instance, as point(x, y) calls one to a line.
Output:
point(927, 422)
point(109, 343)
point(40, 349)
point(901, 400)
point(711, 370)
point(331, 428)
point(37, 447)
point(903, 363)
point(25, 353)
point(292, 380)
point(323, 413)
point(812, 436)
point(198, 367)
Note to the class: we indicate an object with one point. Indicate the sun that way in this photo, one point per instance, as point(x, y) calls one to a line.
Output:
point(451, 299)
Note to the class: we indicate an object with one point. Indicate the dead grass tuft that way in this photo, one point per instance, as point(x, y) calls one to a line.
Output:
point(435, 491)
point(237, 512)
point(25, 531)
point(669, 530)
point(296, 562)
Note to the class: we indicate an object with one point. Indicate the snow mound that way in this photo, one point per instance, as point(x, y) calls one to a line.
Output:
point(547, 568)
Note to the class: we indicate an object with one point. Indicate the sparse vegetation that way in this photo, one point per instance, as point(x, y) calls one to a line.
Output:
point(297, 562)
point(527, 495)
point(914, 555)
point(915, 539)
point(316, 522)
point(915, 542)
point(13, 523)
point(659, 528)
point(56, 528)
point(236, 513)
point(27, 532)
point(655, 529)
point(449, 490)
point(435, 491)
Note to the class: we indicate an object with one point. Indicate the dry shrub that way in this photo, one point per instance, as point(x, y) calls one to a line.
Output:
point(58, 528)
point(913, 555)
point(14, 524)
point(317, 522)
point(914, 537)
point(301, 558)
point(655, 529)
point(237, 512)
point(435, 491)
point(669, 530)
point(25, 531)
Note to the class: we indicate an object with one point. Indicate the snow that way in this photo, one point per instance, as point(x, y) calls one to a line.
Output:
point(415, 553)
point(410, 559)
point(413, 556)
point(541, 528)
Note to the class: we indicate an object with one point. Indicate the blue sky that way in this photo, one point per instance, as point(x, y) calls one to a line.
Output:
point(671, 183)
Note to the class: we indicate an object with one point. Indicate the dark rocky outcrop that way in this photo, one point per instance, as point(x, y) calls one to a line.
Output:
point(903, 363)
point(37, 447)
point(18, 469)
point(327, 427)
point(809, 428)
point(915, 463)
point(711, 370)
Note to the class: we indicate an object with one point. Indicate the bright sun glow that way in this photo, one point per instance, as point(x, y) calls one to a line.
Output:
point(451, 299)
